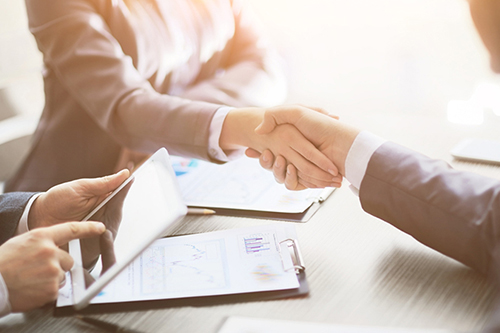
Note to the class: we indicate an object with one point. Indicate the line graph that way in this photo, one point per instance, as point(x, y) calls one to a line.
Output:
point(183, 267)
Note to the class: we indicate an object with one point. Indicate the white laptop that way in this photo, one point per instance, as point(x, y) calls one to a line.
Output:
point(145, 207)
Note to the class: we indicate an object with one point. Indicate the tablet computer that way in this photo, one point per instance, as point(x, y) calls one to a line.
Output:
point(145, 207)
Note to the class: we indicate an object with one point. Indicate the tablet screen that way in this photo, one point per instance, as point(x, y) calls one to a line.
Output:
point(141, 210)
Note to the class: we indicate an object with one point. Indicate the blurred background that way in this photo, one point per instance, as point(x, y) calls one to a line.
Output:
point(385, 56)
point(386, 65)
point(382, 63)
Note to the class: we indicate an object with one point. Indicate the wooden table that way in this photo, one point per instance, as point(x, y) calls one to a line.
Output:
point(392, 75)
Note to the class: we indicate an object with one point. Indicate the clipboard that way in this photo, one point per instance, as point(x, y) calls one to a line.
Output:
point(242, 188)
point(302, 291)
point(293, 217)
point(296, 266)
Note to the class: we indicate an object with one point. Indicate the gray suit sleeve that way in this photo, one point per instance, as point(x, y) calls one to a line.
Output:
point(11, 209)
point(456, 213)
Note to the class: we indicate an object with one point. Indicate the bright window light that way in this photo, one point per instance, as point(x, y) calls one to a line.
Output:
point(465, 112)
point(487, 95)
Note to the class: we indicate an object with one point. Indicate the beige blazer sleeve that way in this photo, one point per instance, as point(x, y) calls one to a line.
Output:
point(454, 212)
point(88, 59)
point(139, 75)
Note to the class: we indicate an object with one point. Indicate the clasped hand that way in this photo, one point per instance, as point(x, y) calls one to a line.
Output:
point(287, 141)
point(327, 137)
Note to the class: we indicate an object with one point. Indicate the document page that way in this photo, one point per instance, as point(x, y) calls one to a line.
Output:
point(217, 263)
point(239, 184)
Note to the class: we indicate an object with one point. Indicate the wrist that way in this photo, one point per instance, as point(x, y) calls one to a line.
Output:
point(238, 129)
point(342, 138)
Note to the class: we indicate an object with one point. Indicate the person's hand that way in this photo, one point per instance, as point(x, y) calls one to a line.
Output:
point(33, 266)
point(332, 137)
point(279, 165)
point(111, 215)
point(239, 131)
point(72, 201)
point(282, 170)
point(108, 257)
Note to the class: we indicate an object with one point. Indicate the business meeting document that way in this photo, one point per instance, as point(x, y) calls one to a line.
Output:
point(224, 262)
point(241, 184)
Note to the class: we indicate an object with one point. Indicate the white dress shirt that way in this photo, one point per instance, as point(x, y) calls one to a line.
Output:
point(358, 157)
point(214, 150)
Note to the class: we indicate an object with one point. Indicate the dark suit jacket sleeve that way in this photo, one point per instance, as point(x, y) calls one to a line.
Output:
point(11, 209)
point(456, 213)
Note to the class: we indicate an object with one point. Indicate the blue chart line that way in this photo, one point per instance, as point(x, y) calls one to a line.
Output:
point(256, 244)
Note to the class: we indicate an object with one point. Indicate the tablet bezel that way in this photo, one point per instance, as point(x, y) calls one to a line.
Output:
point(82, 295)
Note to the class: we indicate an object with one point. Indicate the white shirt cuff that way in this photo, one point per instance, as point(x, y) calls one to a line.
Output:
point(359, 155)
point(22, 227)
point(5, 308)
point(214, 150)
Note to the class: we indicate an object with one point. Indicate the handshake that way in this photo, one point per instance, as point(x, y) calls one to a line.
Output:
point(304, 147)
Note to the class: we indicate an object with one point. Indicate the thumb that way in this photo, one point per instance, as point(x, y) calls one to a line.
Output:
point(103, 185)
point(278, 116)
point(268, 124)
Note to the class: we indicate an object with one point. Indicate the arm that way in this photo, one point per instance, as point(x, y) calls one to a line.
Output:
point(98, 65)
point(80, 49)
point(456, 213)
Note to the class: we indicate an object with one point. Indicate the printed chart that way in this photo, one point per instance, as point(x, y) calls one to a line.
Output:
point(240, 184)
point(257, 244)
point(183, 267)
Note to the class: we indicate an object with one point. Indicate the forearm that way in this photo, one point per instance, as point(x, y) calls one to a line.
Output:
point(85, 59)
point(456, 213)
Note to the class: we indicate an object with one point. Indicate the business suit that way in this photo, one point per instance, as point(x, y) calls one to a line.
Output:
point(141, 75)
point(11, 209)
point(455, 212)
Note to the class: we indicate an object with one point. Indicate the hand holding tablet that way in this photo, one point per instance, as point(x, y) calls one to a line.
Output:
point(138, 212)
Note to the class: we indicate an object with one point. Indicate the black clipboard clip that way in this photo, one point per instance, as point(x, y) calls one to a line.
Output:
point(296, 255)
